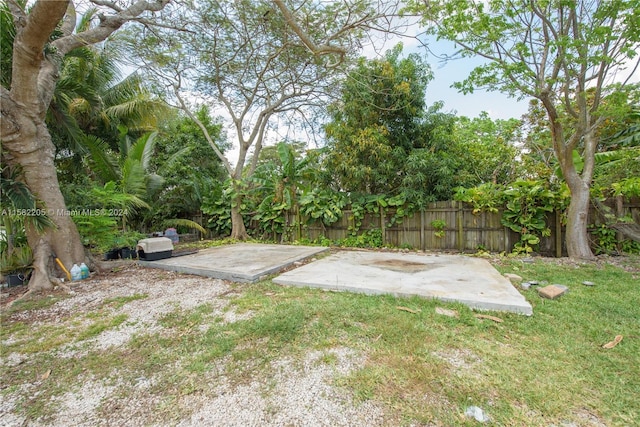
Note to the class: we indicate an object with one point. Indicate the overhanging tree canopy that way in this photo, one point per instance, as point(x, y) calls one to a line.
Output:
point(261, 63)
point(44, 33)
point(563, 53)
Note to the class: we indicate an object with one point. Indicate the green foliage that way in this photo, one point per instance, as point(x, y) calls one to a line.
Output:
point(324, 205)
point(484, 198)
point(526, 209)
point(190, 168)
point(368, 239)
point(628, 187)
point(526, 42)
point(539, 161)
point(183, 223)
point(525, 206)
point(606, 241)
point(16, 260)
point(485, 149)
point(217, 206)
point(6, 44)
point(98, 232)
point(100, 213)
point(361, 205)
point(128, 239)
point(92, 100)
point(531, 50)
point(438, 225)
point(377, 123)
point(630, 246)
point(277, 184)
point(20, 208)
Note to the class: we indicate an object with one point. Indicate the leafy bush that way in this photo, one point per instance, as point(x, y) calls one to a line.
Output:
point(606, 241)
point(438, 225)
point(368, 239)
point(526, 206)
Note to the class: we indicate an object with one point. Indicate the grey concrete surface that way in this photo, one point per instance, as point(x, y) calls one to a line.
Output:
point(242, 262)
point(455, 278)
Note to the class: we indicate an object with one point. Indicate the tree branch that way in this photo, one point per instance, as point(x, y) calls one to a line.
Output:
point(304, 37)
point(108, 24)
point(187, 110)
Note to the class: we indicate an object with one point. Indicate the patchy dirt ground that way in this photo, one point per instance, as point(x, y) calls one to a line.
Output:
point(142, 304)
point(125, 348)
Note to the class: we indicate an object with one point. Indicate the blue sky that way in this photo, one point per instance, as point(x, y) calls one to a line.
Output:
point(498, 106)
point(445, 74)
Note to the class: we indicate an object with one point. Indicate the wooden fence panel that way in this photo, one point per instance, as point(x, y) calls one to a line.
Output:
point(464, 231)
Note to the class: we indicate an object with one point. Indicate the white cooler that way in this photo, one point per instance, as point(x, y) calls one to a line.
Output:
point(154, 248)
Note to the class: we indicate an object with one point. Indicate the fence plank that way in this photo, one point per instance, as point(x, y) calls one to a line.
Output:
point(464, 231)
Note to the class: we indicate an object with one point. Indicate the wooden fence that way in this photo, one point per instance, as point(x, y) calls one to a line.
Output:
point(463, 231)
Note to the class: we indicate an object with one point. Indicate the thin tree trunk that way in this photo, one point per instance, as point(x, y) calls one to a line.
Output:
point(238, 230)
point(577, 237)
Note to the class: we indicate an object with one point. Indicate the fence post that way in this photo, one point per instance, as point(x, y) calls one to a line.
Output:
point(460, 226)
point(382, 226)
point(298, 223)
point(423, 243)
point(558, 234)
point(507, 237)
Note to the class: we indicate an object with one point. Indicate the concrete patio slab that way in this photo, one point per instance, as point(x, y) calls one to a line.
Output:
point(242, 262)
point(454, 278)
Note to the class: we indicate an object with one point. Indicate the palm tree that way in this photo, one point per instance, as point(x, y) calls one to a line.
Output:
point(93, 101)
point(279, 177)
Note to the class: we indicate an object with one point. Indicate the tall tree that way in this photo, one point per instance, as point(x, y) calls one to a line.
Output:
point(377, 122)
point(486, 149)
point(260, 62)
point(183, 158)
point(45, 33)
point(563, 53)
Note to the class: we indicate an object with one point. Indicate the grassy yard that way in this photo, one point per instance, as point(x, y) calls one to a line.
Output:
point(423, 367)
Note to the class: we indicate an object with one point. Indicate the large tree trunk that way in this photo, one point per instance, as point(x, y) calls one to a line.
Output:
point(34, 152)
point(23, 107)
point(577, 238)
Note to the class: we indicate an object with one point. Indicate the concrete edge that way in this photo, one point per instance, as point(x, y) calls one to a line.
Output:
point(236, 276)
point(524, 309)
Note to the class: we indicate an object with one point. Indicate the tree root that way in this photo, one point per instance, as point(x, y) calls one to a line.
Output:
point(21, 297)
point(60, 283)
point(56, 283)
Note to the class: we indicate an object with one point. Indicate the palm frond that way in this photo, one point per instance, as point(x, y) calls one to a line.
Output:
point(18, 195)
point(173, 159)
point(109, 196)
point(70, 134)
point(15, 191)
point(175, 222)
point(100, 160)
point(132, 180)
point(134, 203)
point(610, 158)
point(142, 150)
point(85, 20)
point(154, 183)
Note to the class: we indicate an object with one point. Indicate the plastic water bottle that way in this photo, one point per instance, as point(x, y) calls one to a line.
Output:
point(76, 272)
point(84, 271)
